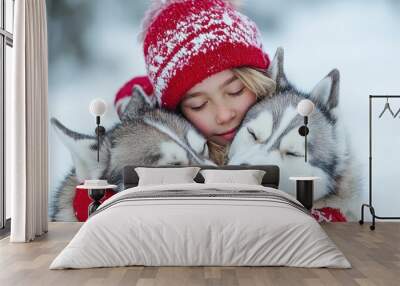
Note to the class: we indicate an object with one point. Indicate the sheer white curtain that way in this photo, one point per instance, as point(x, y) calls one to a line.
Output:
point(27, 123)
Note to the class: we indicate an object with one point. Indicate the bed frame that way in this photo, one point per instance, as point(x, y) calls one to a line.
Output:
point(270, 179)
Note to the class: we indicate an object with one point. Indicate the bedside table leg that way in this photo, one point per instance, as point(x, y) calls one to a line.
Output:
point(304, 193)
point(96, 195)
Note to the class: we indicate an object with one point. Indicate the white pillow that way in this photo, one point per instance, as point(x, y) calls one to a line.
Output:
point(248, 177)
point(163, 176)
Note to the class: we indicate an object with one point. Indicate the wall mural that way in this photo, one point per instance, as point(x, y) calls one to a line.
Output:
point(140, 132)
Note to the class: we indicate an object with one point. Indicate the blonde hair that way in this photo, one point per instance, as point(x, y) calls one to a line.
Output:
point(257, 81)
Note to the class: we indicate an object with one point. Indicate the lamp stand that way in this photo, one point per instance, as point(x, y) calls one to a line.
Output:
point(100, 131)
point(303, 131)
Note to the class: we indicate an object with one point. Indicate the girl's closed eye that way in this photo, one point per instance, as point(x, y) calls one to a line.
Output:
point(198, 106)
point(236, 93)
point(236, 87)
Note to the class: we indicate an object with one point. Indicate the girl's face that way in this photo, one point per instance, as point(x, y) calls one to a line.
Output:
point(217, 105)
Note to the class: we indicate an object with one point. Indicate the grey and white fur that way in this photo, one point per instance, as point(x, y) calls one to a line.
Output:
point(146, 135)
point(269, 135)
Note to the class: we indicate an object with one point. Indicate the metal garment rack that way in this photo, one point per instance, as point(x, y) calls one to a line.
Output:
point(369, 205)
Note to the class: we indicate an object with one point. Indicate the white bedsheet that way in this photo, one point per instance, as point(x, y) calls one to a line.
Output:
point(200, 231)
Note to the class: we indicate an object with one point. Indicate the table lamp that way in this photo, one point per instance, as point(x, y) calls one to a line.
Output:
point(305, 107)
point(97, 108)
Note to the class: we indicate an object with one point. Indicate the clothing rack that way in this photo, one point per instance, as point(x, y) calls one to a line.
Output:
point(370, 205)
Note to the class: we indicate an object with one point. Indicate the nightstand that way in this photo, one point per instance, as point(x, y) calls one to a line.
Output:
point(96, 190)
point(305, 190)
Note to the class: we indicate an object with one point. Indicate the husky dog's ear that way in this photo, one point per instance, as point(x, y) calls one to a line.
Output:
point(83, 149)
point(139, 101)
point(276, 71)
point(327, 90)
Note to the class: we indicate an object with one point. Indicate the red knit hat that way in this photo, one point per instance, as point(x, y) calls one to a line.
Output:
point(123, 95)
point(186, 41)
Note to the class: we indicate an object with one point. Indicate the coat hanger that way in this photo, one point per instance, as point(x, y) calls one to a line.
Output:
point(387, 107)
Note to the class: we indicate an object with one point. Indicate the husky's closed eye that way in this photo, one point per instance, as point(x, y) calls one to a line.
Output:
point(292, 145)
point(294, 154)
point(260, 128)
point(252, 133)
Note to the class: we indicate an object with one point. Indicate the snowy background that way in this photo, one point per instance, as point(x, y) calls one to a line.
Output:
point(93, 51)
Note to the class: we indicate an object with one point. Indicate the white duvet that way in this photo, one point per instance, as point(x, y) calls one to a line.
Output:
point(182, 231)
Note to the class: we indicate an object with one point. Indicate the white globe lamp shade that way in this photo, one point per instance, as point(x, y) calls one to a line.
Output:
point(305, 107)
point(97, 107)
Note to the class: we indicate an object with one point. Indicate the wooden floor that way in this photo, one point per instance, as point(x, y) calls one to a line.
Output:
point(374, 255)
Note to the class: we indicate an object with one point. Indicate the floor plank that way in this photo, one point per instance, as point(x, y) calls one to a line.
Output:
point(374, 255)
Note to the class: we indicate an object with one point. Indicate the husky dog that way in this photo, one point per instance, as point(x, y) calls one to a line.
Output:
point(269, 135)
point(146, 136)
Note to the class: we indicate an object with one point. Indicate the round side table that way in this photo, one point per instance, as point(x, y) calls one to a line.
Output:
point(96, 193)
point(305, 190)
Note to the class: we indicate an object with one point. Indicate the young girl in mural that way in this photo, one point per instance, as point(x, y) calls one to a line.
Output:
point(206, 61)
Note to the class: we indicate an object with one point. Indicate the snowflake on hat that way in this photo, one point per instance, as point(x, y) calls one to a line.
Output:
point(186, 41)
point(125, 92)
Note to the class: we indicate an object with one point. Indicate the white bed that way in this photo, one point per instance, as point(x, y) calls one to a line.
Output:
point(222, 225)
